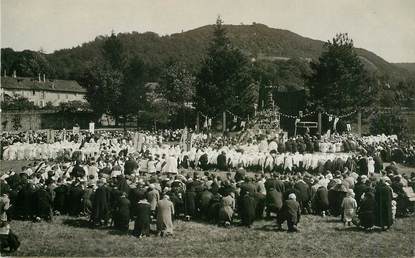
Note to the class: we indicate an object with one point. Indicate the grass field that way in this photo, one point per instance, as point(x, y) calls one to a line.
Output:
point(318, 237)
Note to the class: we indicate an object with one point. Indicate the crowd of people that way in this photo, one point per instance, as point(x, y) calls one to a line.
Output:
point(107, 179)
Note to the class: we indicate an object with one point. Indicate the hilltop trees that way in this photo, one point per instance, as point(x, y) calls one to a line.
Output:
point(223, 81)
point(339, 83)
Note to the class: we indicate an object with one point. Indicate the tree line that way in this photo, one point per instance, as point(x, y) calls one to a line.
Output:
point(226, 79)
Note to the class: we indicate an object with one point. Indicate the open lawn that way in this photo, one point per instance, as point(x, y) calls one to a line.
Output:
point(319, 237)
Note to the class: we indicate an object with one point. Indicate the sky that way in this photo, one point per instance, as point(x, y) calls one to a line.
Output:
point(385, 27)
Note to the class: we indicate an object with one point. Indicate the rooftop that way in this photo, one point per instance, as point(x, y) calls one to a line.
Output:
point(27, 83)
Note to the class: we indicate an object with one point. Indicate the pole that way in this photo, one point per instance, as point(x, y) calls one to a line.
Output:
point(224, 122)
point(359, 123)
point(319, 123)
point(197, 121)
point(295, 128)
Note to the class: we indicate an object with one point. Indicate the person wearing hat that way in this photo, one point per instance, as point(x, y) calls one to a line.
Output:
point(362, 186)
point(153, 196)
point(383, 204)
point(142, 217)
point(248, 207)
point(165, 213)
point(349, 206)
point(291, 212)
point(100, 205)
point(366, 211)
point(122, 213)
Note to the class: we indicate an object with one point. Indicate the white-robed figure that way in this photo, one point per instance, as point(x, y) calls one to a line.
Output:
point(171, 165)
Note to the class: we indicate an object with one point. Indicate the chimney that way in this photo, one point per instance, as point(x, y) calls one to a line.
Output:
point(39, 77)
point(14, 74)
point(44, 78)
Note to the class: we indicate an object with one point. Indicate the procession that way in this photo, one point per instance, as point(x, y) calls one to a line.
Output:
point(207, 129)
point(113, 181)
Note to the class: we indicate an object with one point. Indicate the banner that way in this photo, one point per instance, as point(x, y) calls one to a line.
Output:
point(135, 141)
point(183, 139)
point(335, 123)
point(92, 128)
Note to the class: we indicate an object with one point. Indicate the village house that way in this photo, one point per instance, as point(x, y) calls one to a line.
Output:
point(41, 90)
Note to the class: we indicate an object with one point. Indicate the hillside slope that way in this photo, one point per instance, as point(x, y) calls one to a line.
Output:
point(256, 40)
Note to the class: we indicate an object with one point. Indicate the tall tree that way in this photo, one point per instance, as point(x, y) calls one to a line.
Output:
point(339, 82)
point(178, 88)
point(224, 75)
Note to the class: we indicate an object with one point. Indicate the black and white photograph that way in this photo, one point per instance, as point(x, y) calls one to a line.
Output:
point(207, 128)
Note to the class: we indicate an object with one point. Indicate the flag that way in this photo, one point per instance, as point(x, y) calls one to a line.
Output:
point(335, 123)
point(92, 127)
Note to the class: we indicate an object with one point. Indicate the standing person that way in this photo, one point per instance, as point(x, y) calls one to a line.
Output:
point(142, 217)
point(349, 206)
point(153, 197)
point(366, 210)
point(222, 162)
point(190, 202)
point(227, 208)
point(291, 212)
point(122, 213)
point(43, 204)
point(248, 208)
point(100, 205)
point(383, 205)
point(7, 238)
point(165, 211)
point(321, 201)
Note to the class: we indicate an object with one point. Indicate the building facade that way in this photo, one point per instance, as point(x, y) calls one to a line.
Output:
point(41, 91)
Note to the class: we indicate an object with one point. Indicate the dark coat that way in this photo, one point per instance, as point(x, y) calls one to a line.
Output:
point(142, 219)
point(274, 200)
point(321, 199)
point(78, 171)
point(335, 202)
point(362, 164)
point(190, 202)
point(59, 203)
point(359, 189)
point(303, 192)
point(100, 205)
point(43, 203)
point(222, 162)
point(367, 211)
point(291, 211)
point(122, 213)
point(248, 209)
point(129, 166)
point(383, 208)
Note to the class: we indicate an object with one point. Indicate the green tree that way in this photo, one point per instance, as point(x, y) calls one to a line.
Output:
point(18, 103)
point(389, 123)
point(339, 82)
point(178, 88)
point(224, 75)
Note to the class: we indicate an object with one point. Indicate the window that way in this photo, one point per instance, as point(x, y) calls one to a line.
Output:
point(33, 92)
point(43, 94)
point(67, 96)
point(59, 96)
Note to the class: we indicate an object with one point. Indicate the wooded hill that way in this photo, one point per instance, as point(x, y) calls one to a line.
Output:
point(256, 41)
